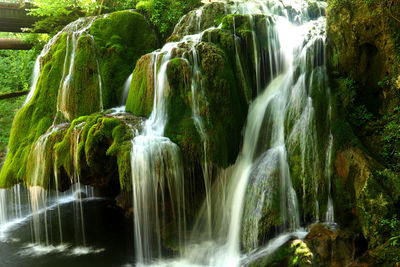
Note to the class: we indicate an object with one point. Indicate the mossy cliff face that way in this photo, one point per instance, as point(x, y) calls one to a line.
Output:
point(140, 98)
point(81, 94)
point(72, 86)
point(363, 37)
point(363, 56)
point(93, 150)
point(367, 197)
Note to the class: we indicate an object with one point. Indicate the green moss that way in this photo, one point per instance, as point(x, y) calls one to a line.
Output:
point(86, 94)
point(378, 208)
point(35, 118)
point(104, 145)
point(180, 127)
point(141, 93)
point(98, 134)
point(211, 16)
point(226, 109)
point(121, 38)
point(121, 147)
point(65, 149)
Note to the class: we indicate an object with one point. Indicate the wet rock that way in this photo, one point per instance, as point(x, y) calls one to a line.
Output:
point(294, 253)
point(330, 245)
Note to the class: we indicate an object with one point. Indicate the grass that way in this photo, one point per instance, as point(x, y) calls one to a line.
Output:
point(8, 109)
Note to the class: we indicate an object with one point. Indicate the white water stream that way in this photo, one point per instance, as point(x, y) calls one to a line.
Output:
point(281, 124)
point(285, 107)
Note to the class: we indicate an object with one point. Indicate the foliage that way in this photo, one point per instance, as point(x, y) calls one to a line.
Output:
point(346, 91)
point(391, 139)
point(8, 108)
point(165, 14)
point(58, 8)
point(359, 115)
point(123, 5)
point(15, 75)
point(54, 24)
point(16, 69)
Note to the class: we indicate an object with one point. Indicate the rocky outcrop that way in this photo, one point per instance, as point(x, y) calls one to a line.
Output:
point(83, 70)
point(224, 83)
point(330, 245)
point(209, 15)
point(363, 57)
point(368, 196)
point(362, 41)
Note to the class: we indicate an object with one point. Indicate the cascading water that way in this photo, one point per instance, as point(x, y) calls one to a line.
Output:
point(281, 124)
point(38, 205)
point(278, 173)
point(76, 30)
point(157, 173)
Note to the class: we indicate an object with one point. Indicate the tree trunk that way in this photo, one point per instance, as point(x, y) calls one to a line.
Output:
point(13, 94)
point(14, 44)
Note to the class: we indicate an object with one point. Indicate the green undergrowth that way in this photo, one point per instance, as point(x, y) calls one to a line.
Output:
point(292, 254)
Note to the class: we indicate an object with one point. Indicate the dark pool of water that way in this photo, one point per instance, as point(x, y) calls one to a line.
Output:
point(108, 237)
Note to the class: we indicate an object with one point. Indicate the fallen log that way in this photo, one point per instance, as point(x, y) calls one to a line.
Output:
point(14, 44)
point(13, 94)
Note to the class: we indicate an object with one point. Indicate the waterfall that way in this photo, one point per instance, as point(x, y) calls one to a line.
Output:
point(75, 30)
point(125, 92)
point(157, 172)
point(279, 182)
point(281, 131)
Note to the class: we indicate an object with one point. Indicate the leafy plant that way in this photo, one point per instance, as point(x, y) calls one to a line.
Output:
point(391, 139)
point(164, 14)
point(57, 8)
point(359, 115)
point(346, 91)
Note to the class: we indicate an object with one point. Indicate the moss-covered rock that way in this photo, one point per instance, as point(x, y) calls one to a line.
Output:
point(262, 215)
point(198, 20)
point(80, 93)
point(223, 82)
point(97, 147)
point(141, 94)
point(121, 39)
point(82, 72)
